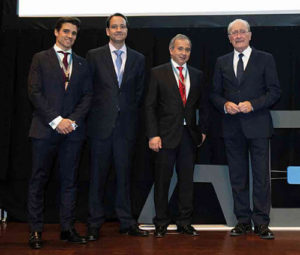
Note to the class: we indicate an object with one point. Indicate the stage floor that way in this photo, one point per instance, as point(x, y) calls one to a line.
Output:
point(14, 241)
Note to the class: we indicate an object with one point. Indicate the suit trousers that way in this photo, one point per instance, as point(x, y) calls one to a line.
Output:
point(237, 151)
point(115, 150)
point(44, 153)
point(183, 158)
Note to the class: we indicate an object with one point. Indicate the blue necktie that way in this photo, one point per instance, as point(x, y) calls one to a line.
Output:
point(119, 64)
point(240, 68)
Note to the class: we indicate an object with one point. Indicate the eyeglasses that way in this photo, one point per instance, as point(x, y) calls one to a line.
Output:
point(236, 32)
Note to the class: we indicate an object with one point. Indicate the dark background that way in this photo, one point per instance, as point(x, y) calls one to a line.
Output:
point(20, 38)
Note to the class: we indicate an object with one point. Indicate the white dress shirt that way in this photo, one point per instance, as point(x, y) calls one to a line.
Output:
point(186, 81)
point(54, 123)
point(114, 56)
point(185, 74)
point(246, 52)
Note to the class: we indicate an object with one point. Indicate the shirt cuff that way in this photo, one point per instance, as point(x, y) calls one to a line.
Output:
point(54, 123)
point(225, 109)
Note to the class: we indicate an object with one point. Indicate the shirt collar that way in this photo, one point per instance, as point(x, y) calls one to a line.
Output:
point(176, 65)
point(56, 48)
point(246, 52)
point(112, 48)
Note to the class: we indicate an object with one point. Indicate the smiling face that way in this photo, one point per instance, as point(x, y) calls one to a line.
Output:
point(239, 36)
point(66, 36)
point(181, 51)
point(117, 30)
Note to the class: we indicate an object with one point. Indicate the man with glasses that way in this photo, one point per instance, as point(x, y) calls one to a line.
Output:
point(118, 81)
point(245, 86)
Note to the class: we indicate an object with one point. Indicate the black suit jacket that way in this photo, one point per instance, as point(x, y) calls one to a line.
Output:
point(110, 101)
point(165, 112)
point(259, 85)
point(49, 97)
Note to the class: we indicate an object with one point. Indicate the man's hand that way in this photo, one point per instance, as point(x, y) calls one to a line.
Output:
point(65, 126)
point(155, 143)
point(231, 108)
point(245, 107)
point(203, 137)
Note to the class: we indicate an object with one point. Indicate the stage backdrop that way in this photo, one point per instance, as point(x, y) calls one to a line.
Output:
point(21, 38)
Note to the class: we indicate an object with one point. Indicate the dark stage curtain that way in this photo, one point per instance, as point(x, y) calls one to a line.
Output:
point(18, 45)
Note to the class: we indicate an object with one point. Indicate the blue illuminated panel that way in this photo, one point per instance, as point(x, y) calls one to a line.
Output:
point(293, 174)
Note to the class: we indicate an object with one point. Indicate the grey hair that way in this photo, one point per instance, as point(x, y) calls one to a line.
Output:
point(178, 37)
point(238, 20)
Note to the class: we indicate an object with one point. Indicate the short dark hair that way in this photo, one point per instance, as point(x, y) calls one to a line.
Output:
point(72, 20)
point(116, 15)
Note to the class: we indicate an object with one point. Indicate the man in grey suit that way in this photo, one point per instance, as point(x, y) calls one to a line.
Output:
point(118, 80)
point(60, 89)
point(245, 86)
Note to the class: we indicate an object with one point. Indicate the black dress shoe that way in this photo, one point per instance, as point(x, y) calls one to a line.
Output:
point(92, 234)
point(160, 230)
point(263, 231)
point(187, 229)
point(35, 240)
point(241, 229)
point(72, 236)
point(134, 230)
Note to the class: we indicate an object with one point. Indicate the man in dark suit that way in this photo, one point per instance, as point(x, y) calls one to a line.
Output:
point(118, 81)
point(175, 93)
point(60, 90)
point(245, 85)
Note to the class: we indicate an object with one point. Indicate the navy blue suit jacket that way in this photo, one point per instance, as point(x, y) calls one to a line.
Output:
point(259, 85)
point(109, 101)
point(49, 97)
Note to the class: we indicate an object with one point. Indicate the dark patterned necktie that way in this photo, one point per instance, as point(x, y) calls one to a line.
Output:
point(65, 71)
point(65, 59)
point(240, 68)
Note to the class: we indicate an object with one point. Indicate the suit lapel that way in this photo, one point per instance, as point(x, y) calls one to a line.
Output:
point(173, 82)
point(232, 75)
point(192, 84)
point(109, 65)
point(128, 65)
point(75, 69)
point(249, 67)
point(55, 66)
